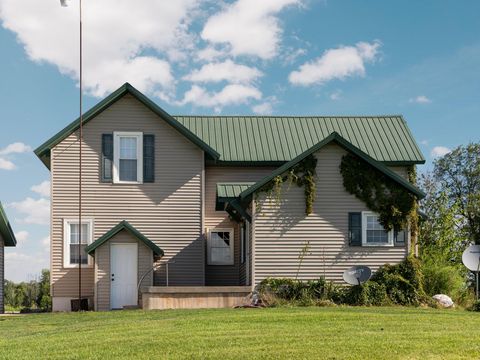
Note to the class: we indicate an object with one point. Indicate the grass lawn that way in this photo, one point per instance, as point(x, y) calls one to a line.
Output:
point(331, 333)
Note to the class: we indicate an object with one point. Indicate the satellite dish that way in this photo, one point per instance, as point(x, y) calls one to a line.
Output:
point(357, 275)
point(471, 257)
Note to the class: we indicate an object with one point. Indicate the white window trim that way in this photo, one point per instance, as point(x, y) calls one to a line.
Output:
point(66, 242)
point(116, 156)
point(364, 232)
point(232, 241)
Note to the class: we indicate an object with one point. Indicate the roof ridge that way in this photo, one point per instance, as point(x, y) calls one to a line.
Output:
point(289, 116)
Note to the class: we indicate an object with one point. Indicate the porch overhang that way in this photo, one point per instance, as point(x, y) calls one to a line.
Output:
point(123, 225)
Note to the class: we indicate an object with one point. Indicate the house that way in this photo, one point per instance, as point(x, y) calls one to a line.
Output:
point(176, 211)
point(7, 238)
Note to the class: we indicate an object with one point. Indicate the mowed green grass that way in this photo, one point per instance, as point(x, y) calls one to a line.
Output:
point(283, 333)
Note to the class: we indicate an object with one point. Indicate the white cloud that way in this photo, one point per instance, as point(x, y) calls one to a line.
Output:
point(210, 53)
point(439, 151)
point(43, 188)
point(15, 148)
point(339, 63)
point(420, 99)
point(424, 142)
point(248, 27)
point(21, 237)
point(6, 164)
point(131, 43)
point(35, 211)
point(224, 71)
point(232, 94)
point(265, 107)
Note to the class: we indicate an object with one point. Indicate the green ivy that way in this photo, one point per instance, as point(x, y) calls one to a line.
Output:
point(302, 174)
point(381, 194)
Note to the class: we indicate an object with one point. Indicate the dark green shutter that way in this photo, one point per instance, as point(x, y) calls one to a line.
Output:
point(107, 157)
point(148, 158)
point(400, 237)
point(355, 228)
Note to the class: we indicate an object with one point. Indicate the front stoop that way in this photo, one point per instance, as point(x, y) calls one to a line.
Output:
point(194, 297)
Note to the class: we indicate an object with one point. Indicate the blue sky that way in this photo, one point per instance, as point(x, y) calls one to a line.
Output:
point(418, 59)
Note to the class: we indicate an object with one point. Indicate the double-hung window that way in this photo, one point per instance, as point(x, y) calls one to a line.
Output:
point(75, 242)
point(128, 157)
point(373, 232)
point(220, 247)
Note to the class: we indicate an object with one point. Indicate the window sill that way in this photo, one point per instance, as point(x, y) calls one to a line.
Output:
point(220, 264)
point(86, 266)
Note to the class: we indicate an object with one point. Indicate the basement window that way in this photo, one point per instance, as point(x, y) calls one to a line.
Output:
point(220, 247)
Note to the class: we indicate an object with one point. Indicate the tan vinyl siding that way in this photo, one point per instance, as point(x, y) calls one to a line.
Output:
point(167, 211)
point(281, 230)
point(222, 274)
point(2, 273)
point(102, 268)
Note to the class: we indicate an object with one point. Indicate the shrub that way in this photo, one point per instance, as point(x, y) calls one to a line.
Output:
point(403, 282)
point(445, 279)
point(369, 293)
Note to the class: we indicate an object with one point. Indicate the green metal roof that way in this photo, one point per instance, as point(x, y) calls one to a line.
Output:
point(123, 225)
point(232, 189)
point(268, 140)
point(5, 229)
point(228, 192)
point(277, 139)
point(334, 137)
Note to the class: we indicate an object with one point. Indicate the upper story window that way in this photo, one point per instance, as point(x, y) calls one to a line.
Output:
point(128, 157)
point(220, 247)
point(75, 241)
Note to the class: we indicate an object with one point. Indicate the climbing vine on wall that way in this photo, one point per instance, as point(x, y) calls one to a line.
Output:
point(391, 201)
point(412, 177)
point(302, 174)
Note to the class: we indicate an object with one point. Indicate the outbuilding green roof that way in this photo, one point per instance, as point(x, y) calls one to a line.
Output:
point(269, 140)
point(5, 229)
point(278, 139)
point(123, 225)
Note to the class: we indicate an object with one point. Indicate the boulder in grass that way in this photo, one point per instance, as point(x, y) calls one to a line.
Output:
point(444, 301)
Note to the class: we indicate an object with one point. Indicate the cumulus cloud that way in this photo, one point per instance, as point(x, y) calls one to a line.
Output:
point(224, 71)
point(6, 164)
point(8, 151)
point(439, 151)
point(265, 107)
point(232, 94)
point(248, 27)
point(34, 211)
point(43, 188)
point(49, 33)
point(15, 148)
point(420, 99)
point(340, 63)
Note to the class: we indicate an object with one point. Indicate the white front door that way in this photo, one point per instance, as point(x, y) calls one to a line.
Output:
point(123, 275)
